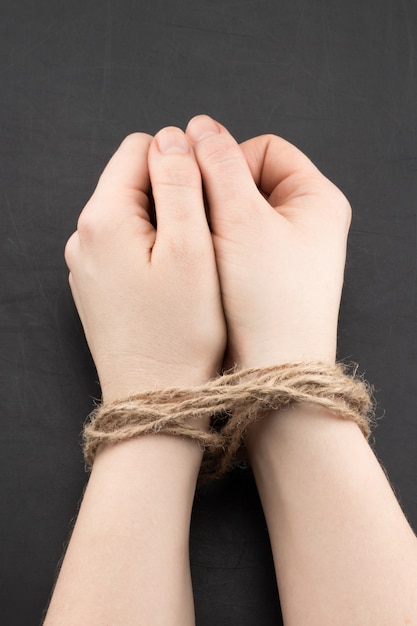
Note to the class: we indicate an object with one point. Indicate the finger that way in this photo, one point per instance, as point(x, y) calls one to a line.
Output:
point(271, 159)
point(283, 173)
point(176, 187)
point(124, 183)
point(227, 178)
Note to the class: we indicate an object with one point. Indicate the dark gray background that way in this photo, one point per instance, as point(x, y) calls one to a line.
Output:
point(336, 78)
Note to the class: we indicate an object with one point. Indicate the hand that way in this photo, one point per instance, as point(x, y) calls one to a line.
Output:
point(279, 231)
point(148, 298)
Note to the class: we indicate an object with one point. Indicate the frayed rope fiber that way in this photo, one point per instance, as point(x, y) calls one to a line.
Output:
point(232, 402)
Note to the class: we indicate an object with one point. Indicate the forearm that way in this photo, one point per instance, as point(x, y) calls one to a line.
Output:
point(127, 561)
point(343, 550)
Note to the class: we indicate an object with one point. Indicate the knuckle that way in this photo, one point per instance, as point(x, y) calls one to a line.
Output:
point(335, 207)
point(346, 210)
point(185, 250)
point(221, 153)
point(70, 251)
point(341, 207)
point(86, 226)
point(177, 178)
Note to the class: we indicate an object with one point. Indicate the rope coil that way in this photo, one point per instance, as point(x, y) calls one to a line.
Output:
point(232, 402)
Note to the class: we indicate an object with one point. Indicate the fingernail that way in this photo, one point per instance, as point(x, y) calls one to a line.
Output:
point(201, 127)
point(172, 140)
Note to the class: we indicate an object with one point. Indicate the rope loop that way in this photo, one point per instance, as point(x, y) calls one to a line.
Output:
point(232, 402)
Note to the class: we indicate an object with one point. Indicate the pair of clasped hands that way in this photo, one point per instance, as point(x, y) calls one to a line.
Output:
point(253, 281)
point(243, 266)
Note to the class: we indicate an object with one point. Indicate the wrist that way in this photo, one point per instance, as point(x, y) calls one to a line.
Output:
point(294, 431)
point(156, 463)
point(168, 454)
point(289, 349)
point(120, 380)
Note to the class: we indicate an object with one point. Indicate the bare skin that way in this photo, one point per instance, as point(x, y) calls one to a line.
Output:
point(343, 550)
point(151, 309)
point(154, 305)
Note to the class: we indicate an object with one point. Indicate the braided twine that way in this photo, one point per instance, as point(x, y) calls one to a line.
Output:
point(232, 402)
